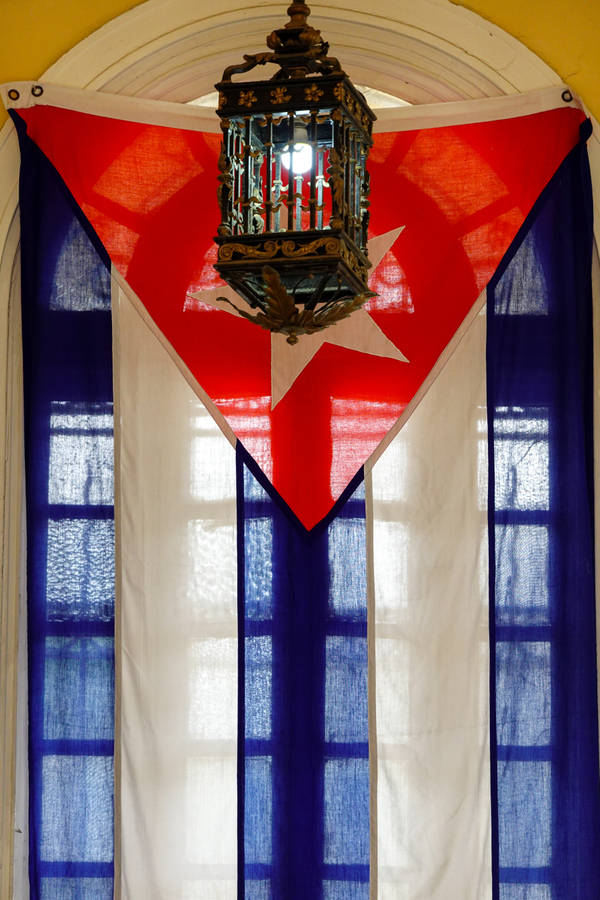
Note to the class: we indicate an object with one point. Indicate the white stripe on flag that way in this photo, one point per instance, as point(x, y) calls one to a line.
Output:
point(178, 650)
point(432, 660)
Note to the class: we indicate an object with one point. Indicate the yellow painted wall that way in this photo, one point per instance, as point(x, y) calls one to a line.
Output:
point(564, 33)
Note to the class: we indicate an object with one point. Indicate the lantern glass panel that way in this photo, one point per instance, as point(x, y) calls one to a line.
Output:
point(273, 189)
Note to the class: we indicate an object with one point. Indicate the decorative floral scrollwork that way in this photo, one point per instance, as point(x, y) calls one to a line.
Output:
point(339, 92)
point(313, 92)
point(292, 249)
point(268, 251)
point(247, 98)
point(280, 95)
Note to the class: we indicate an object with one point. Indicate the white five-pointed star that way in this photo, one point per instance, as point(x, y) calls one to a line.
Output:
point(358, 332)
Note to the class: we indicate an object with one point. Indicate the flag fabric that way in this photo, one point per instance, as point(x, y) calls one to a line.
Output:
point(70, 543)
point(148, 192)
point(355, 632)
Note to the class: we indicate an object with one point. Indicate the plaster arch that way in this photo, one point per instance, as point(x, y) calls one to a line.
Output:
point(176, 49)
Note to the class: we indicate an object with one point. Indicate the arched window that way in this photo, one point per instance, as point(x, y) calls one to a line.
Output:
point(430, 53)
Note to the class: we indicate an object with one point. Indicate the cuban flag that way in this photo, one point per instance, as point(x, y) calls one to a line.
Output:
point(352, 654)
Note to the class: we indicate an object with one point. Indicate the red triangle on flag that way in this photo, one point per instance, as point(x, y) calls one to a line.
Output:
point(461, 194)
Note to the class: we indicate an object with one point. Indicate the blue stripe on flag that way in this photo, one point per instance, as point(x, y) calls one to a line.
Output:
point(544, 686)
point(304, 736)
point(70, 540)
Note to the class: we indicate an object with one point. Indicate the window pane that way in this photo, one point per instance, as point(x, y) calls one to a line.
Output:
point(213, 688)
point(345, 890)
point(257, 890)
point(81, 454)
point(523, 693)
point(522, 575)
point(211, 802)
point(210, 560)
point(79, 688)
point(348, 568)
point(258, 811)
point(521, 458)
point(81, 280)
point(258, 664)
point(77, 888)
point(218, 482)
point(80, 570)
point(526, 291)
point(525, 892)
point(346, 711)
point(390, 562)
point(525, 814)
point(258, 553)
point(522, 479)
point(346, 791)
point(77, 809)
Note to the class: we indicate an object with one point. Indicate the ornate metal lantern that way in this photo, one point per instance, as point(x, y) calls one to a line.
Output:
point(293, 184)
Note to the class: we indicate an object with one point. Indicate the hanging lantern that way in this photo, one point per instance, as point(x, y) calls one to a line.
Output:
point(293, 184)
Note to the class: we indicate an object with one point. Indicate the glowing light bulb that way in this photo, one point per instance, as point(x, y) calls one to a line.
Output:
point(302, 158)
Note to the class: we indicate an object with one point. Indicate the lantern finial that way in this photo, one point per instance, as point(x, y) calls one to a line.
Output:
point(298, 12)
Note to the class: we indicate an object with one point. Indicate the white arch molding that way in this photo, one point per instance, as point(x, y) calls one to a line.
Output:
point(176, 50)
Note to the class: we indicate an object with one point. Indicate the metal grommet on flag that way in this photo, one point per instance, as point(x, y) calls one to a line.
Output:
point(37, 90)
point(13, 94)
point(567, 96)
